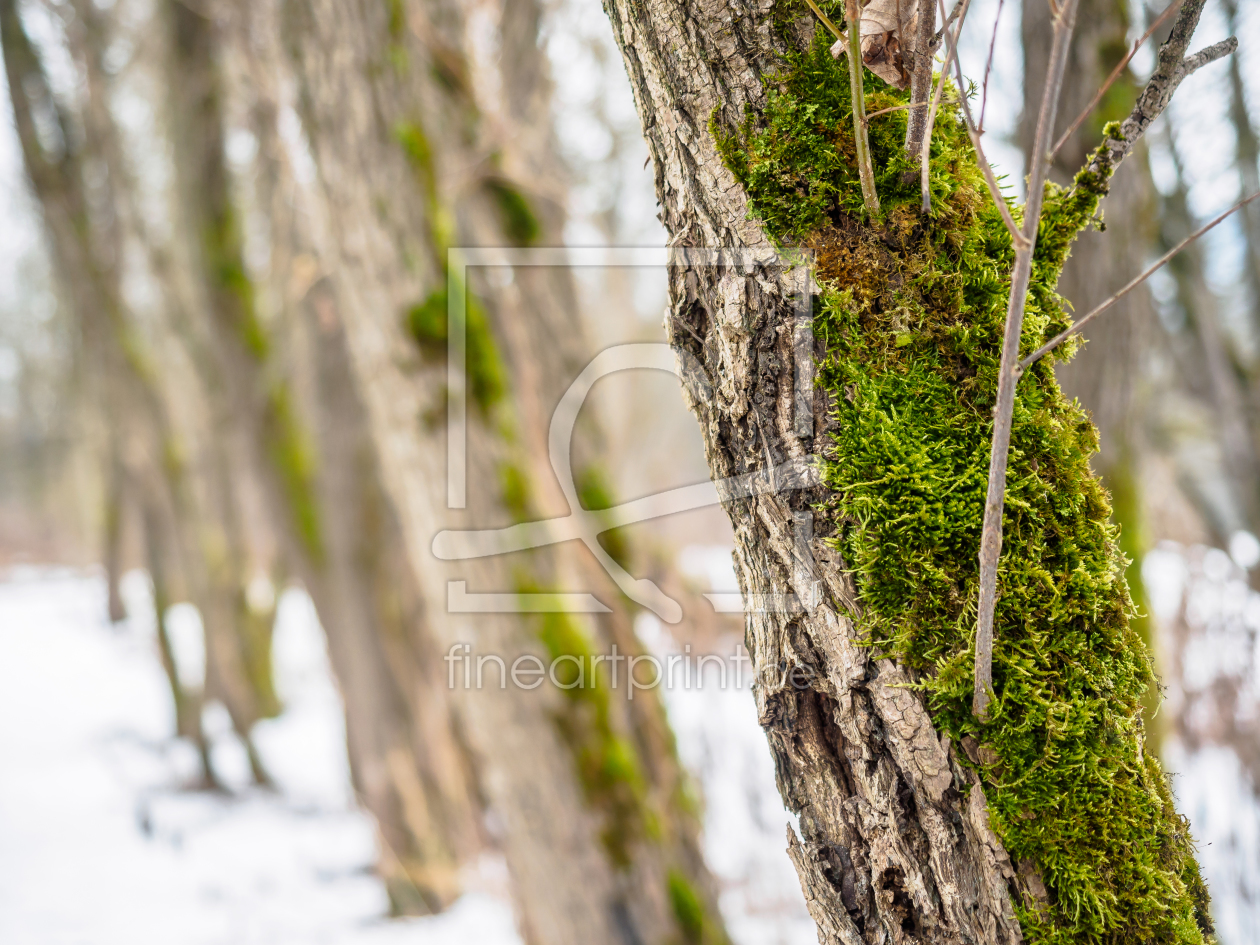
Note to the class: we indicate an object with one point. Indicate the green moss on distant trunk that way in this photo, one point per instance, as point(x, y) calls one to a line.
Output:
point(911, 316)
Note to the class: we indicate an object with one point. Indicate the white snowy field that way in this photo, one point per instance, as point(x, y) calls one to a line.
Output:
point(101, 841)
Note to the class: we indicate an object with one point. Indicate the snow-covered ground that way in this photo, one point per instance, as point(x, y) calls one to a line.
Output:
point(101, 841)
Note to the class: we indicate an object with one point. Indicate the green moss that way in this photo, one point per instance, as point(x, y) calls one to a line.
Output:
point(911, 316)
point(608, 764)
point(688, 909)
point(520, 225)
point(294, 460)
point(415, 144)
point(595, 494)
point(514, 485)
point(428, 321)
point(222, 244)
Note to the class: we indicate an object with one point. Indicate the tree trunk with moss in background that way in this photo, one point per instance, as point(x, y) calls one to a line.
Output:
point(292, 415)
point(1049, 823)
point(1107, 375)
point(585, 809)
point(85, 240)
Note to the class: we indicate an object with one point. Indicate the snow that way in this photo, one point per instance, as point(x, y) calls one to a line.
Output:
point(100, 842)
point(103, 840)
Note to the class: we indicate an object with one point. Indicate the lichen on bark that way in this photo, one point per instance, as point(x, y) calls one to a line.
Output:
point(910, 318)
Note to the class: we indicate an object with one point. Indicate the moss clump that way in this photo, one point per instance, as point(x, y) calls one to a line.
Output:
point(911, 315)
point(520, 225)
point(688, 909)
point(515, 488)
point(428, 322)
point(294, 460)
point(221, 243)
point(607, 763)
point(595, 494)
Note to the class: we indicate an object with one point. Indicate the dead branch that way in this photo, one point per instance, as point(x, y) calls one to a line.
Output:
point(973, 132)
point(988, 66)
point(1008, 373)
point(1115, 74)
point(960, 12)
point(1079, 325)
point(1171, 69)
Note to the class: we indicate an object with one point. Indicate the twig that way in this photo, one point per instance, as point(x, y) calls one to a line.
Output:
point(902, 108)
point(1115, 74)
point(1076, 328)
point(1172, 66)
point(866, 170)
point(825, 20)
point(986, 169)
point(960, 11)
point(988, 66)
point(921, 78)
point(1008, 372)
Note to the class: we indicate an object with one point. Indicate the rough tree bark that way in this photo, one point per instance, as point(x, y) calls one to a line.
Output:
point(896, 842)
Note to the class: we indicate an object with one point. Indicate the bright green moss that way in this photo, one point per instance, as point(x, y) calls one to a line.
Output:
point(520, 225)
point(427, 322)
point(911, 316)
point(295, 461)
point(595, 494)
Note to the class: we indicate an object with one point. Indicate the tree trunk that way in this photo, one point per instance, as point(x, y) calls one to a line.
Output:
point(85, 243)
point(864, 687)
point(595, 851)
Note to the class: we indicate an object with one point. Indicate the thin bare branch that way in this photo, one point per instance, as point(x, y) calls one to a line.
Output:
point(986, 168)
point(1008, 372)
point(866, 169)
point(949, 21)
point(1171, 68)
point(826, 21)
point(1115, 74)
point(988, 66)
point(960, 12)
point(1080, 324)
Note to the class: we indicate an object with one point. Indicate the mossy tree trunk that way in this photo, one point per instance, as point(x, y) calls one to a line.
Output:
point(289, 412)
point(918, 822)
point(598, 842)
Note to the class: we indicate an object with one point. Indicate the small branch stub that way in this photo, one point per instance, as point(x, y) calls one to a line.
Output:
point(866, 170)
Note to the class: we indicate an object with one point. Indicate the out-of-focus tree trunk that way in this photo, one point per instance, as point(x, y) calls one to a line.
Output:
point(389, 112)
point(224, 296)
point(545, 347)
point(315, 468)
point(112, 528)
point(86, 250)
